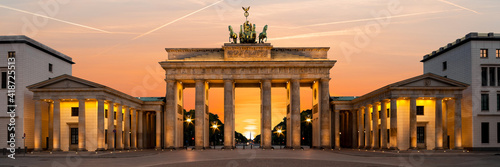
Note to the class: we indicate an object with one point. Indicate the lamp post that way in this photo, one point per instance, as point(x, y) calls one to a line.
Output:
point(309, 120)
point(215, 127)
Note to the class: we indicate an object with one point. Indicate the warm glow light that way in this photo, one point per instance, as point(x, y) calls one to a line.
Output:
point(308, 119)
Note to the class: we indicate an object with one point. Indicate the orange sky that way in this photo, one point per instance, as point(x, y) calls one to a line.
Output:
point(119, 43)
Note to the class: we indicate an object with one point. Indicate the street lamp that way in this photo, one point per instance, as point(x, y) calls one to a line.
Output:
point(189, 121)
point(279, 131)
point(309, 120)
point(215, 127)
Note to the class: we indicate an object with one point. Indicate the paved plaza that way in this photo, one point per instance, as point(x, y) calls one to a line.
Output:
point(256, 157)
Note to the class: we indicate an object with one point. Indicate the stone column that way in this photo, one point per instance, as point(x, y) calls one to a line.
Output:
point(158, 129)
point(200, 114)
point(295, 112)
point(38, 124)
point(228, 114)
point(445, 125)
point(100, 124)
point(394, 124)
point(413, 123)
point(170, 114)
point(133, 140)
point(56, 124)
point(354, 129)
point(361, 134)
point(375, 139)
point(140, 133)
point(119, 127)
point(266, 114)
point(367, 127)
point(337, 129)
point(111, 125)
point(383, 124)
point(325, 114)
point(439, 123)
point(126, 141)
point(81, 125)
point(458, 122)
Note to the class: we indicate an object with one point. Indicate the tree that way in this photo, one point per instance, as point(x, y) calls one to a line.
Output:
point(256, 139)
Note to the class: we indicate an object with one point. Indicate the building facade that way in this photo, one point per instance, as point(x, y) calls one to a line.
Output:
point(474, 60)
point(34, 62)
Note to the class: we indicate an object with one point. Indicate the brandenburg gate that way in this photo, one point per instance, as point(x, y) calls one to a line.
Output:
point(247, 64)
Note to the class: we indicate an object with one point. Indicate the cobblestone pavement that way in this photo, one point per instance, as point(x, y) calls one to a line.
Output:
point(255, 157)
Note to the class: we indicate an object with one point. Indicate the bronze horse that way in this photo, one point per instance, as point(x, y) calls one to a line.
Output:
point(232, 35)
point(263, 35)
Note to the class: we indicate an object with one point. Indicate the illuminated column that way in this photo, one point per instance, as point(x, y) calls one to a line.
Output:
point(445, 125)
point(383, 124)
point(413, 123)
point(38, 124)
point(439, 123)
point(200, 114)
point(140, 133)
point(375, 139)
point(266, 114)
point(337, 129)
point(111, 125)
point(119, 127)
point(126, 141)
point(56, 132)
point(354, 129)
point(367, 127)
point(158, 129)
point(458, 122)
point(295, 112)
point(81, 124)
point(133, 140)
point(361, 134)
point(170, 114)
point(100, 124)
point(394, 124)
point(228, 114)
point(325, 114)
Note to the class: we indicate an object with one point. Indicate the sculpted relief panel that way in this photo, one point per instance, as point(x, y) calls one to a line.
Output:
point(248, 71)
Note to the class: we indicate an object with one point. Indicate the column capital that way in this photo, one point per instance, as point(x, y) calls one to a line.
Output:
point(439, 98)
point(80, 98)
point(325, 79)
point(36, 97)
point(100, 98)
point(54, 98)
point(458, 96)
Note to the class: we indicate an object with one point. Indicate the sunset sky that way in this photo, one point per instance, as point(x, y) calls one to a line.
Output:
point(119, 43)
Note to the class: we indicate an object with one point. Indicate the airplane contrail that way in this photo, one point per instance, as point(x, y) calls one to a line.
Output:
point(318, 34)
point(377, 18)
point(51, 18)
point(461, 7)
point(180, 18)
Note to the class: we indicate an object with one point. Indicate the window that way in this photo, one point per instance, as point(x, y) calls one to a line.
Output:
point(4, 80)
point(445, 76)
point(498, 132)
point(484, 53)
point(445, 65)
point(485, 132)
point(421, 134)
point(485, 102)
point(50, 67)
point(492, 76)
point(74, 135)
point(74, 111)
point(484, 76)
point(498, 53)
point(420, 110)
point(106, 113)
point(498, 76)
point(12, 54)
point(498, 102)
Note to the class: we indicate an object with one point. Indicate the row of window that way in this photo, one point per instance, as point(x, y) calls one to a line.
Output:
point(490, 76)
point(485, 102)
point(4, 81)
point(484, 53)
point(485, 132)
point(74, 113)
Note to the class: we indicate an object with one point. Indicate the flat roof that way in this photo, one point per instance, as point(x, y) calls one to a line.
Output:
point(343, 98)
point(151, 98)
point(35, 44)
point(471, 36)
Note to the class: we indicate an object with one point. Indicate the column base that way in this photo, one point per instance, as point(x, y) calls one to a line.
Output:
point(458, 148)
point(37, 150)
point(375, 148)
point(199, 148)
point(100, 149)
point(413, 148)
point(126, 148)
point(157, 148)
point(119, 148)
point(82, 149)
point(361, 147)
point(133, 148)
point(56, 150)
point(438, 148)
point(393, 148)
point(266, 147)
